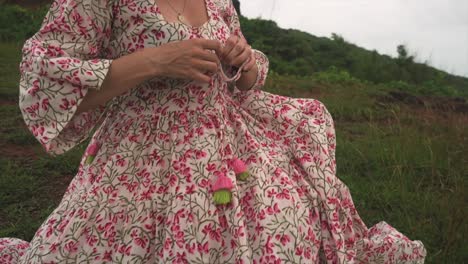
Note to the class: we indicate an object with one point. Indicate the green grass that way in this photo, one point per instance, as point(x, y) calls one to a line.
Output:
point(404, 164)
point(9, 71)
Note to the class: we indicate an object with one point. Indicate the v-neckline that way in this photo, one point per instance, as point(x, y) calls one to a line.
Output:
point(207, 10)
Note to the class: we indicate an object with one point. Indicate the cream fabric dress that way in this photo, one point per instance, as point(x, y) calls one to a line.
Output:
point(144, 189)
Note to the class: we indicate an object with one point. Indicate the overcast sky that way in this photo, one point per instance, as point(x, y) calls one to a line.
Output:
point(435, 31)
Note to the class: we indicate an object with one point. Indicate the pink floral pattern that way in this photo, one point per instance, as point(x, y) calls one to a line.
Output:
point(146, 195)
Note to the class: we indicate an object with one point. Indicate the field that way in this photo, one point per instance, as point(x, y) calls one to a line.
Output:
point(404, 157)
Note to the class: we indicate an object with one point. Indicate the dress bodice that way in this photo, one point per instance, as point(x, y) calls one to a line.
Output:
point(152, 30)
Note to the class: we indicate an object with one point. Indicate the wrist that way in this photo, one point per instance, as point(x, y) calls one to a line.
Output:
point(248, 79)
point(149, 57)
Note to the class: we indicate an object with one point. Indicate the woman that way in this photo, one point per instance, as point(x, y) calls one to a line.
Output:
point(185, 166)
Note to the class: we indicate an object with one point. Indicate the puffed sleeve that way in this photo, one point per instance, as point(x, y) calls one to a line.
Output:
point(60, 63)
point(231, 18)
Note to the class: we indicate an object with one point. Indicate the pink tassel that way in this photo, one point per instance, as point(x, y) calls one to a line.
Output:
point(223, 182)
point(222, 190)
point(238, 166)
point(93, 149)
point(240, 169)
point(91, 152)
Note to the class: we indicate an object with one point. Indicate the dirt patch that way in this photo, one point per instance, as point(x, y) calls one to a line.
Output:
point(7, 102)
point(19, 152)
point(444, 104)
point(29, 3)
point(57, 189)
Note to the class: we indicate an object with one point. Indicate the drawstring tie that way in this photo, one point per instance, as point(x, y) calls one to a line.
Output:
point(222, 188)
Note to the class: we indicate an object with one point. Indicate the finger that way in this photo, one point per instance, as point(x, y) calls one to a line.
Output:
point(235, 52)
point(252, 62)
point(241, 58)
point(229, 45)
point(201, 77)
point(202, 65)
point(210, 44)
point(207, 56)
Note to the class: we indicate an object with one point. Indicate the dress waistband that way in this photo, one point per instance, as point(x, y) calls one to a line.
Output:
point(163, 95)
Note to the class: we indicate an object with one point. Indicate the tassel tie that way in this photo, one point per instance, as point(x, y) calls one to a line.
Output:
point(228, 79)
point(222, 188)
point(91, 152)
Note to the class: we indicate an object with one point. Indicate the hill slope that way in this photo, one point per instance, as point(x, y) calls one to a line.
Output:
point(290, 51)
point(299, 53)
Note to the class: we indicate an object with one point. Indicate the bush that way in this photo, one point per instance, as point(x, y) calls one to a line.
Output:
point(334, 75)
point(22, 23)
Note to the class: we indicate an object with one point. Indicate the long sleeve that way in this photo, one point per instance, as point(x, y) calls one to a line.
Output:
point(60, 63)
point(231, 18)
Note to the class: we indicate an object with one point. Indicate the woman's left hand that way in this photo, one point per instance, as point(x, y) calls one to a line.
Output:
point(236, 51)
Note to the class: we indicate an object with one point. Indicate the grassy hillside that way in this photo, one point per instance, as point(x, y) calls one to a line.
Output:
point(298, 53)
point(291, 52)
point(403, 157)
point(401, 144)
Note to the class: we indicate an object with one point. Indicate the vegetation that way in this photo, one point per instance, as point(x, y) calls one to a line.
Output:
point(294, 52)
point(401, 134)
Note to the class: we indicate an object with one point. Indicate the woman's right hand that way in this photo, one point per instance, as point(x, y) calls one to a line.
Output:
point(189, 59)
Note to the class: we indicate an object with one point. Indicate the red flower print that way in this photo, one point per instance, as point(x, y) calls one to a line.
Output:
point(71, 246)
point(65, 104)
point(190, 248)
point(310, 235)
point(91, 240)
point(141, 241)
point(125, 249)
point(203, 248)
point(261, 215)
point(259, 229)
point(284, 239)
point(305, 158)
point(190, 189)
point(200, 154)
point(53, 247)
point(285, 109)
point(181, 258)
point(210, 167)
point(284, 194)
point(307, 253)
point(108, 255)
point(121, 162)
point(268, 246)
point(319, 121)
point(34, 88)
point(33, 109)
point(299, 251)
point(273, 209)
point(271, 193)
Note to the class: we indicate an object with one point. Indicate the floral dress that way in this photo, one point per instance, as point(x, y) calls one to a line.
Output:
point(145, 188)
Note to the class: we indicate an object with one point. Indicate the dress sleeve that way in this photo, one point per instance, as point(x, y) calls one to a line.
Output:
point(231, 18)
point(60, 63)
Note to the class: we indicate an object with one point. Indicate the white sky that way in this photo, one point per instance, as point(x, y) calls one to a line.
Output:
point(435, 31)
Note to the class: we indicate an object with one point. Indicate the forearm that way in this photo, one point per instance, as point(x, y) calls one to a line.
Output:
point(124, 73)
point(256, 77)
point(247, 79)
